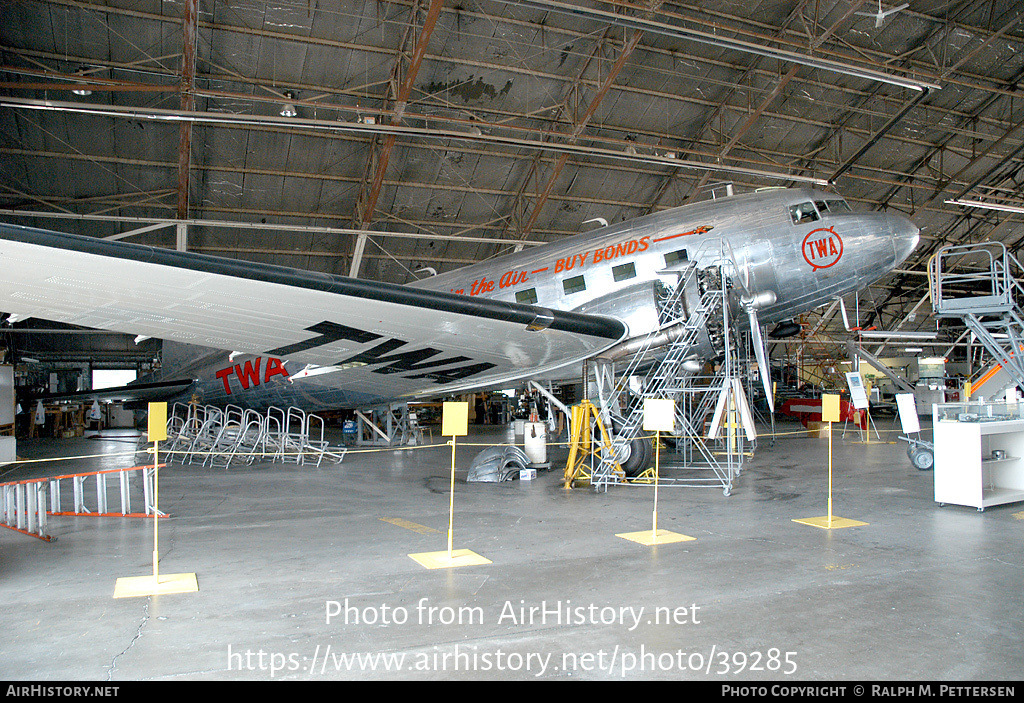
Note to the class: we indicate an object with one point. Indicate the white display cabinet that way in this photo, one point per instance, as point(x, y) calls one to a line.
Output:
point(979, 453)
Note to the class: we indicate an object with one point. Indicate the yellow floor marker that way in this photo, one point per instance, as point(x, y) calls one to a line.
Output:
point(830, 414)
point(659, 414)
point(444, 560)
point(135, 586)
point(156, 584)
point(454, 423)
point(650, 538)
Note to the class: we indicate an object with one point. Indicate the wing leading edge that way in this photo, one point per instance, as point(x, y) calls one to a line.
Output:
point(382, 339)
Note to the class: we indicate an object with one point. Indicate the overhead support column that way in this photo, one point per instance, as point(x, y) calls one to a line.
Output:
point(738, 133)
point(745, 127)
point(885, 129)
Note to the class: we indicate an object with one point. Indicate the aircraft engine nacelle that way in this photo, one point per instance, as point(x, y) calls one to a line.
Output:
point(638, 306)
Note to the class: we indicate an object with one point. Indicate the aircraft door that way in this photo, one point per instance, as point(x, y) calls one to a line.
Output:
point(763, 255)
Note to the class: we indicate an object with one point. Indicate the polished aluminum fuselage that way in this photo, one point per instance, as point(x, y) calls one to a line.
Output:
point(798, 265)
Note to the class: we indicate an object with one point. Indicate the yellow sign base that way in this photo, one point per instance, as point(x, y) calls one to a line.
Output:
point(833, 524)
point(441, 560)
point(650, 537)
point(134, 586)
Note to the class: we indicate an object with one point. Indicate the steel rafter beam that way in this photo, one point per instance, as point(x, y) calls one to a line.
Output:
point(579, 122)
point(720, 110)
point(745, 127)
point(188, 101)
point(720, 41)
point(381, 148)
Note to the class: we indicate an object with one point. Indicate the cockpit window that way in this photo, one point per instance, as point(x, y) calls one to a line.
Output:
point(831, 207)
point(804, 212)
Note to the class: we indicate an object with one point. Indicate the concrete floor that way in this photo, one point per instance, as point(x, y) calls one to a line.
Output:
point(919, 593)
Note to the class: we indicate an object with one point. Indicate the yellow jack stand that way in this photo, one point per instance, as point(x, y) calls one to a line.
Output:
point(582, 444)
point(156, 584)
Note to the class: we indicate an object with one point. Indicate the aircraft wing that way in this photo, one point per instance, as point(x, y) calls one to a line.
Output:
point(382, 339)
point(133, 393)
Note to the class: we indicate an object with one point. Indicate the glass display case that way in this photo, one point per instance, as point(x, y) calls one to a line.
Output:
point(979, 453)
point(978, 412)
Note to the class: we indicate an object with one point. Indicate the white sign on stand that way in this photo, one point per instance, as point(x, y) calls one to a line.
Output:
point(858, 393)
point(907, 407)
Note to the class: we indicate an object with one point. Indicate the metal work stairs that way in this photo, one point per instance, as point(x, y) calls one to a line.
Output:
point(991, 382)
point(690, 313)
point(978, 283)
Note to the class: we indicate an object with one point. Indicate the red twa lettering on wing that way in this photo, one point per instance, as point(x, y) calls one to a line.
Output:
point(822, 248)
point(249, 374)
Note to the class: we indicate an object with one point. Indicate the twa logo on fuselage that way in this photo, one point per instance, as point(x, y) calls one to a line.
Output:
point(822, 248)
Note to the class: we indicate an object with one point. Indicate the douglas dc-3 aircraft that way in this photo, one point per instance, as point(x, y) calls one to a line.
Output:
point(279, 336)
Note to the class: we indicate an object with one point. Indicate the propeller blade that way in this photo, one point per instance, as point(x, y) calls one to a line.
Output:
point(762, 358)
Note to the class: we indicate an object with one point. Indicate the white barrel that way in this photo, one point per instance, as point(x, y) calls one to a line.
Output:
point(536, 442)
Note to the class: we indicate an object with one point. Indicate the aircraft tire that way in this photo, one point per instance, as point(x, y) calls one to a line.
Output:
point(641, 452)
point(635, 456)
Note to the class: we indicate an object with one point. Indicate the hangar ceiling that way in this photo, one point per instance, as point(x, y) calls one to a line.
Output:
point(430, 134)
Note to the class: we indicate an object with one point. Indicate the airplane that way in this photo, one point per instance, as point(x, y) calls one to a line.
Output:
point(259, 335)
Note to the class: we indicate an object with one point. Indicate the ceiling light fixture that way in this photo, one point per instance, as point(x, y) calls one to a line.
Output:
point(288, 110)
point(886, 334)
point(80, 73)
point(984, 205)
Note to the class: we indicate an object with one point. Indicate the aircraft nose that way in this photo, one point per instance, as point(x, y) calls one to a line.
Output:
point(905, 235)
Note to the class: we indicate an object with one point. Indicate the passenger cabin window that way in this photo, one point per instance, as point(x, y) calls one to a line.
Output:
point(574, 285)
point(527, 297)
point(624, 272)
point(804, 212)
point(676, 256)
